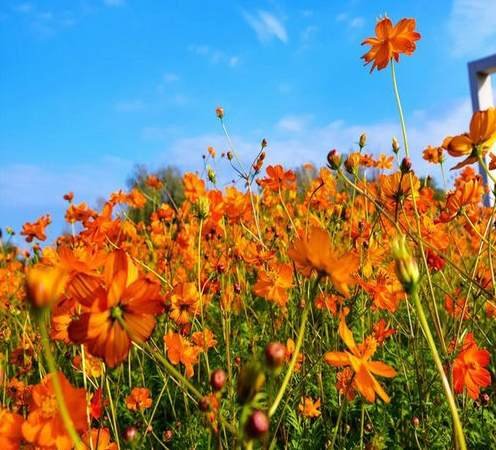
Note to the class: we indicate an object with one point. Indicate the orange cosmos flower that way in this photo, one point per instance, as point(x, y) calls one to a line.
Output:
point(154, 182)
point(309, 408)
point(180, 350)
point(434, 155)
point(477, 141)
point(278, 178)
point(185, 303)
point(469, 368)
point(273, 284)
point(44, 426)
point(315, 253)
point(100, 440)
point(390, 41)
point(359, 360)
point(45, 285)
point(204, 339)
point(123, 310)
point(36, 229)
point(139, 399)
point(10, 430)
point(382, 331)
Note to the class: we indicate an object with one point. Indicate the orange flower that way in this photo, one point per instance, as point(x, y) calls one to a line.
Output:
point(290, 348)
point(10, 430)
point(36, 229)
point(469, 368)
point(477, 141)
point(45, 285)
point(204, 339)
point(314, 252)
point(309, 408)
point(100, 440)
point(154, 182)
point(359, 360)
point(139, 399)
point(180, 350)
point(278, 178)
point(456, 305)
point(44, 426)
point(184, 302)
point(344, 383)
point(390, 42)
point(273, 284)
point(434, 155)
point(385, 291)
point(382, 331)
point(121, 311)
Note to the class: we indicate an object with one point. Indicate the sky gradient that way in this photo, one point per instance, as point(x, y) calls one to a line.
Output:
point(90, 88)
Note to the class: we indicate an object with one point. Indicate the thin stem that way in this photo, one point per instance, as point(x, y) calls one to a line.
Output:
point(57, 387)
point(439, 365)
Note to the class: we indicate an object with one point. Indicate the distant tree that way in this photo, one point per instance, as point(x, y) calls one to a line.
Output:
point(171, 192)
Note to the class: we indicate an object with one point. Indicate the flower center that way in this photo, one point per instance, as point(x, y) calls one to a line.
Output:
point(48, 406)
point(116, 313)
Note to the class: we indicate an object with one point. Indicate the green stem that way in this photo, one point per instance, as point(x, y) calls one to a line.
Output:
point(299, 342)
point(439, 365)
point(338, 422)
point(400, 109)
point(57, 387)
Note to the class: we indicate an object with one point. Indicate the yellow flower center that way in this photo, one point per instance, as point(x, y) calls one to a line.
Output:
point(48, 406)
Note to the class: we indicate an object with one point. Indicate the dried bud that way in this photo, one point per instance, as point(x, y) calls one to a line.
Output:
point(219, 112)
point(257, 425)
point(362, 141)
point(264, 143)
point(395, 144)
point(485, 399)
point(415, 421)
point(275, 354)
point(218, 379)
point(229, 155)
point(406, 165)
point(406, 266)
point(334, 159)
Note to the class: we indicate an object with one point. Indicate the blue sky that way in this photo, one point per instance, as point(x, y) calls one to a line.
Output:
point(90, 88)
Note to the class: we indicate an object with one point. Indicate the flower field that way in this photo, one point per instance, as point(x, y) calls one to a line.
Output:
point(347, 306)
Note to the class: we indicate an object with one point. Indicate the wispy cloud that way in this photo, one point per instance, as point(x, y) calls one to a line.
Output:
point(294, 124)
point(355, 22)
point(214, 56)
point(44, 22)
point(170, 77)
point(129, 105)
point(266, 26)
point(114, 3)
point(472, 27)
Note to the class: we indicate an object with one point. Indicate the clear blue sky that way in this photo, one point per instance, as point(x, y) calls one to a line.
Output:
point(89, 88)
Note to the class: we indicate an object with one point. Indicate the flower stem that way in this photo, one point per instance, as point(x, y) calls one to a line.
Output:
point(299, 342)
point(439, 365)
point(57, 387)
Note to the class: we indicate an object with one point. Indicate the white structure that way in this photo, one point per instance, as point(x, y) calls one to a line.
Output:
point(479, 73)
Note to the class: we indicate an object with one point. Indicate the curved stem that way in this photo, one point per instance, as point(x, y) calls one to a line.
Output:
point(439, 365)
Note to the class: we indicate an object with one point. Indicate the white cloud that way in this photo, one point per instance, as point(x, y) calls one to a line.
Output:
point(357, 22)
point(114, 3)
point(129, 105)
point(266, 26)
point(351, 21)
point(170, 77)
point(294, 124)
point(24, 8)
point(472, 27)
point(214, 55)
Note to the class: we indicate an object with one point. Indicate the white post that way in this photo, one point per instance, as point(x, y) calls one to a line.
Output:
point(479, 73)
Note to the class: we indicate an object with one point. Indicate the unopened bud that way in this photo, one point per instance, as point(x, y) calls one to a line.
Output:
point(396, 145)
point(251, 380)
point(229, 155)
point(130, 434)
point(406, 165)
point(352, 162)
point(211, 175)
point(275, 354)
point(219, 112)
point(202, 208)
point(264, 143)
point(415, 421)
point(257, 425)
point(406, 267)
point(334, 159)
point(362, 141)
point(218, 379)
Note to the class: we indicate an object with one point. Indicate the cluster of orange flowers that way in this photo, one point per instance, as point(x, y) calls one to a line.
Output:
point(167, 287)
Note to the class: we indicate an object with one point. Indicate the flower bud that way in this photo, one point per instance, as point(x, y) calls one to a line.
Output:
point(204, 404)
point(352, 162)
point(218, 379)
point(229, 155)
point(406, 267)
point(396, 145)
point(202, 207)
point(257, 424)
point(211, 175)
point(264, 143)
point(334, 159)
point(251, 380)
point(415, 421)
point(485, 399)
point(362, 141)
point(130, 434)
point(406, 165)
point(275, 354)
point(219, 112)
